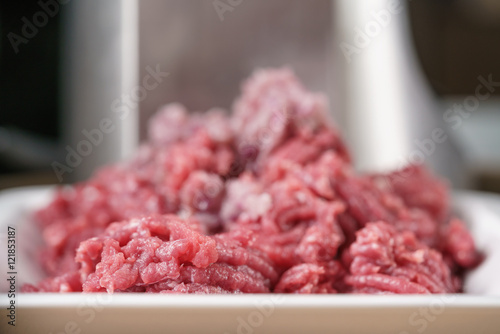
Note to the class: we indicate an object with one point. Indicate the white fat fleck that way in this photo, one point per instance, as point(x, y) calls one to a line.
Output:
point(134, 223)
point(91, 193)
point(308, 178)
point(183, 214)
point(419, 255)
point(257, 205)
point(202, 205)
point(301, 197)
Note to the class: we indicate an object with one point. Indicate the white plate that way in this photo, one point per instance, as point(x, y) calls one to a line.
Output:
point(477, 311)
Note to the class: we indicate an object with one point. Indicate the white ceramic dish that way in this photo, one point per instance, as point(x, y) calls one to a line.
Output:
point(476, 311)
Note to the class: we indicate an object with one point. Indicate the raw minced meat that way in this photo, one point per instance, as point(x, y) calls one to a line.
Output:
point(384, 260)
point(264, 201)
point(274, 108)
point(419, 189)
point(156, 181)
point(157, 253)
point(458, 244)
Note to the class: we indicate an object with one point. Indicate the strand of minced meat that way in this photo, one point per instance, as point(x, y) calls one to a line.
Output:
point(384, 260)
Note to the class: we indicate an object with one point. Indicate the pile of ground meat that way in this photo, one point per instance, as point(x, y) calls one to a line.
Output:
point(263, 201)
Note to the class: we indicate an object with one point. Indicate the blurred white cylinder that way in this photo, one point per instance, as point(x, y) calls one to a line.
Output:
point(100, 68)
point(390, 113)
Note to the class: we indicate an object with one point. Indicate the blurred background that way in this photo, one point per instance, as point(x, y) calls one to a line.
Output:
point(67, 65)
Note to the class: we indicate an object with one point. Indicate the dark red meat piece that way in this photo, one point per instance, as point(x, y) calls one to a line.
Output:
point(307, 278)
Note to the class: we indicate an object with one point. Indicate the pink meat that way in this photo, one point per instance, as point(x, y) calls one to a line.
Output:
point(368, 203)
point(304, 149)
point(158, 253)
point(458, 243)
point(173, 123)
point(291, 224)
point(396, 262)
point(142, 252)
point(418, 188)
point(157, 181)
point(68, 282)
point(264, 201)
point(308, 278)
point(273, 108)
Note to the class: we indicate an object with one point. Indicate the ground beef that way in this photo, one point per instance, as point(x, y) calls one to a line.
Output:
point(307, 278)
point(367, 202)
point(68, 282)
point(182, 177)
point(385, 260)
point(264, 201)
point(165, 253)
point(275, 107)
point(173, 123)
point(418, 188)
point(459, 245)
point(291, 223)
